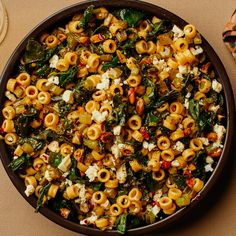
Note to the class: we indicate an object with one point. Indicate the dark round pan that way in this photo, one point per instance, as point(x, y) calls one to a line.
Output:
point(65, 14)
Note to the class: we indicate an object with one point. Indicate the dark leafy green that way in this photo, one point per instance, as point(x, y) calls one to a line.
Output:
point(74, 173)
point(121, 224)
point(113, 63)
point(151, 119)
point(131, 16)
point(179, 180)
point(23, 161)
point(36, 143)
point(87, 16)
point(42, 192)
point(55, 159)
point(67, 76)
point(34, 52)
point(200, 162)
point(161, 27)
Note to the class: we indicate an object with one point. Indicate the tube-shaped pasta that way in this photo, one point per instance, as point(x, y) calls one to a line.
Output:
point(158, 175)
point(44, 98)
point(154, 165)
point(97, 156)
point(109, 46)
point(74, 27)
point(204, 85)
point(8, 126)
point(134, 80)
point(151, 47)
point(71, 58)
point(72, 191)
point(112, 183)
point(135, 207)
point(165, 203)
point(171, 210)
point(99, 96)
point(11, 138)
point(174, 193)
point(101, 223)
point(62, 65)
point(99, 197)
point(52, 191)
point(51, 41)
point(91, 106)
point(135, 166)
point(115, 210)
point(190, 31)
point(51, 120)
point(8, 112)
point(41, 85)
point(135, 122)
point(23, 79)
point(177, 135)
point(103, 175)
point(94, 132)
point(163, 143)
point(30, 180)
point(134, 194)
point(196, 144)
point(141, 47)
point(66, 149)
point(198, 185)
point(116, 89)
point(181, 44)
point(168, 154)
point(188, 154)
point(11, 85)
point(123, 201)
point(93, 61)
point(176, 108)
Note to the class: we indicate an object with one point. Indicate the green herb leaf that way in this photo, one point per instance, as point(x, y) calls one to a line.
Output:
point(87, 16)
point(122, 223)
point(43, 191)
point(68, 76)
point(55, 159)
point(161, 27)
point(112, 63)
point(20, 162)
point(132, 17)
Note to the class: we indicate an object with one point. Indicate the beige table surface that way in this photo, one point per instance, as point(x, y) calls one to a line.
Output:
point(217, 215)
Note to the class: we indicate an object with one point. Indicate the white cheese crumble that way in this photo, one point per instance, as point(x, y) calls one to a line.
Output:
point(149, 146)
point(175, 163)
point(208, 168)
point(183, 69)
point(121, 174)
point(66, 174)
point(186, 103)
point(82, 191)
point(53, 61)
point(216, 86)
point(179, 76)
point(116, 151)
point(54, 146)
point(47, 176)
point(156, 210)
point(53, 80)
point(209, 160)
point(68, 182)
point(104, 84)
point(196, 51)
point(220, 131)
point(205, 141)
point(178, 33)
point(188, 95)
point(65, 164)
point(118, 81)
point(214, 108)
point(29, 190)
point(106, 204)
point(67, 96)
point(89, 220)
point(166, 52)
point(92, 172)
point(98, 116)
point(117, 130)
point(179, 146)
point(157, 195)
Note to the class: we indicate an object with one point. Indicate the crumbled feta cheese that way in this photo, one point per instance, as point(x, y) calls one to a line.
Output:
point(104, 84)
point(178, 146)
point(53, 61)
point(166, 52)
point(216, 86)
point(196, 51)
point(65, 164)
point(209, 160)
point(106, 204)
point(98, 116)
point(157, 195)
point(179, 76)
point(178, 33)
point(195, 71)
point(15, 157)
point(82, 191)
point(214, 108)
point(175, 163)
point(116, 151)
point(118, 81)
point(220, 131)
point(54, 146)
point(156, 210)
point(188, 95)
point(53, 80)
point(149, 146)
point(68, 182)
point(67, 96)
point(208, 168)
point(183, 69)
point(44, 157)
point(29, 190)
point(89, 220)
point(66, 174)
point(47, 176)
point(92, 172)
point(186, 103)
point(121, 174)
point(117, 130)
point(205, 141)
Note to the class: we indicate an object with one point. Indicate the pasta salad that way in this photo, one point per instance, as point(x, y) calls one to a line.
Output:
point(114, 119)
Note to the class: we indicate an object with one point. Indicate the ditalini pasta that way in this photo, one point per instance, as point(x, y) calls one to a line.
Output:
point(113, 119)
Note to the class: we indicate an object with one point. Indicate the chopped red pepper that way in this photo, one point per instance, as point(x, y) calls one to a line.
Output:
point(145, 133)
point(190, 182)
point(166, 165)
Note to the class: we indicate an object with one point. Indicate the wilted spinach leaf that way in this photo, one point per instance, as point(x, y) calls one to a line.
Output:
point(112, 63)
point(87, 16)
point(67, 76)
point(161, 27)
point(23, 161)
point(42, 192)
point(55, 159)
